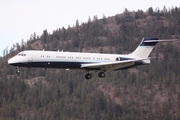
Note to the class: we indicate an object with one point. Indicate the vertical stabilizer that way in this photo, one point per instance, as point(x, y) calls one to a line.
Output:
point(145, 47)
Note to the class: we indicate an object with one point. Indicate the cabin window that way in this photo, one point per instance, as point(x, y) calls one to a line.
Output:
point(86, 58)
point(70, 57)
point(78, 57)
point(106, 59)
point(60, 57)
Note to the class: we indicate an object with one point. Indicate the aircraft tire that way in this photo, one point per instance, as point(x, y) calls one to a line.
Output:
point(101, 74)
point(88, 76)
point(17, 70)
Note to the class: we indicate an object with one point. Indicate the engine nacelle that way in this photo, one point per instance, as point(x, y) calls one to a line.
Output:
point(118, 59)
point(123, 58)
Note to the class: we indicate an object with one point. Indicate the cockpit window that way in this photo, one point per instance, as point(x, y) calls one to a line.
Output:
point(20, 54)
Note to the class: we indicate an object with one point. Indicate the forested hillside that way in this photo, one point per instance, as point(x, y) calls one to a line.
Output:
point(146, 92)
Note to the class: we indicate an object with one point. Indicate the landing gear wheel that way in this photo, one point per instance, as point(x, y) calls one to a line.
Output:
point(101, 74)
point(17, 70)
point(88, 76)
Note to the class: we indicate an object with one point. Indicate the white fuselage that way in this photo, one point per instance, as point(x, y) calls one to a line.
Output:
point(56, 59)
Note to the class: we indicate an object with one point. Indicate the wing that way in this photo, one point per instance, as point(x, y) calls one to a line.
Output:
point(108, 66)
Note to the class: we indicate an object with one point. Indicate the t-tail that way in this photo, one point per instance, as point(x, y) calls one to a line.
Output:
point(146, 46)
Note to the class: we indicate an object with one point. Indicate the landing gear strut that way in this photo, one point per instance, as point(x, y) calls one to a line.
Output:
point(17, 70)
point(101, 74)
point(88, 76)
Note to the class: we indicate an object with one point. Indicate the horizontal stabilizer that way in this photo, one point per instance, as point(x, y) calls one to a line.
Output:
point(163, 40)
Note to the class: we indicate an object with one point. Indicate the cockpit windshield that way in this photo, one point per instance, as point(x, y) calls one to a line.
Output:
point(21, 54)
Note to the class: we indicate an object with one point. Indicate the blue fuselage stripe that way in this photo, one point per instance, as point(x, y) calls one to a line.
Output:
point(72, 65)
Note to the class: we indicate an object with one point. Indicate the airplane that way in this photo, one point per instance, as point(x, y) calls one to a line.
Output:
point(86, 61)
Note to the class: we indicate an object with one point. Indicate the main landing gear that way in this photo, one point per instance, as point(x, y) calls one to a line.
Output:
point(88, 76)
point(100, 74)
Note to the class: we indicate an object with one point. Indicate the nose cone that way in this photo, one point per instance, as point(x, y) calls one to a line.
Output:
point(12, 61)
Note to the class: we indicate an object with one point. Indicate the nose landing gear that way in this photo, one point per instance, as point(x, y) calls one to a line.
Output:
point(17, 70)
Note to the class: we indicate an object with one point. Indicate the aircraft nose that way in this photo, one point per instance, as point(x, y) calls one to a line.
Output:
point(12, 61)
